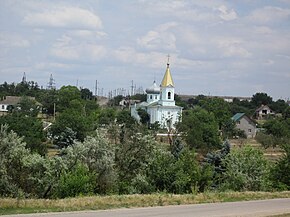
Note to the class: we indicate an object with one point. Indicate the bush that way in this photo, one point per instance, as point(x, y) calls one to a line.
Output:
point(246, 169)
point(280, 173)
point(77, 182)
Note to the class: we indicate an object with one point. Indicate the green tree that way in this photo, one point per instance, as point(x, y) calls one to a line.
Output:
point(12, 151)
point(107, 116)
point(75, 121)
point(30, 128)
point(200, 129)
point(65, 95)
point(280, 174)
point(75, 182)
point(259, 99)
point(277, 128)
point(144, 116)
point(132, 158)
point(86, 94)
point(98, 155)
point(23, 173)
point(219, 107)
point(124, 117)
point(286, 113)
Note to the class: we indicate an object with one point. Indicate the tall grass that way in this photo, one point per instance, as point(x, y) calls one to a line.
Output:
point(14, 206)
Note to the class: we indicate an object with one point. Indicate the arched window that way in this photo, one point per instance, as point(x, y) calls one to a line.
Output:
point(150, 96)
point(169, 95)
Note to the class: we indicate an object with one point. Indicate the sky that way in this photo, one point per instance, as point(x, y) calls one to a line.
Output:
point(216, 47)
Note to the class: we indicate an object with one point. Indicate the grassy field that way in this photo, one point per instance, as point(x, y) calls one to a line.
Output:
point(15, 206)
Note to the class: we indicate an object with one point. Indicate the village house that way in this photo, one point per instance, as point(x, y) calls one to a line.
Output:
point(243, 122)
point(8, 102)
point(263, 112)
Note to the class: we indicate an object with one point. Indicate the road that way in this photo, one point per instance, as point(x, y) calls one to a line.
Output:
point(247, 208)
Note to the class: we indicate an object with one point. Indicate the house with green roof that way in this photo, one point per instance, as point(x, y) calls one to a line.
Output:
point(245, 123)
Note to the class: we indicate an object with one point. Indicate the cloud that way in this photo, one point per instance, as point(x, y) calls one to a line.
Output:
point(232, 47)
point(70, 49)
point(269, 14)
point(9, 40)
point(159, 38)
point(64, 17)
point(227, 14)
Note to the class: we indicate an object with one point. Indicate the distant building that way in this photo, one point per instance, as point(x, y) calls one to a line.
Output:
point(10, 102)
point(263, 112)
point(7, 102)
point(160, 104)
point(243, 122)
point(225, 98)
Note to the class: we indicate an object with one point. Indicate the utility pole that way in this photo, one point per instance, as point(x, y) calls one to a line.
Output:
point(24, 78)
point(51, 83)
point(132, 88)
point(96, 88)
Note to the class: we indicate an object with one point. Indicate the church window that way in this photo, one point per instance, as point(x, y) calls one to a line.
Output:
point(3, 106)
point(150, 96)
point(169, 95)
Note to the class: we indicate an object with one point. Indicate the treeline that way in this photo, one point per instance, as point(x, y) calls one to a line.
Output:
point(105, 151)
point(133, 163)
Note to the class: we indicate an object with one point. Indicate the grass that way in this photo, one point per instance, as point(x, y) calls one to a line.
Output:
point(281, 215)
point(16, 206)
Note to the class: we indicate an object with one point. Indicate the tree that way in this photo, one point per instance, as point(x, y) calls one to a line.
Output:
point(280, 175)
point(200, 129)
point(48, 99)
point(246, 169)
point(277, 128)
point(23, 173)
point(27, 107)
point(259, 99)
point(70, 124)
point(124, 117)
point(30, 128)
point(219, 107)
point(75, 182)
point(215, 160)
point(279, 106)
point(98, 155)
point(12, 151)
point(144, 116)
point(132, 158)
point(86, 94)
point(66, 94)
point(286, 113)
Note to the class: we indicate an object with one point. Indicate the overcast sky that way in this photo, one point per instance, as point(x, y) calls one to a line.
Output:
point(216, 47)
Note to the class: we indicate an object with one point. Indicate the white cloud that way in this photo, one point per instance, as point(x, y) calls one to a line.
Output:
point(160, 38)
point(64, 17)
point(68, 48)
point(130, 55)
point(232, 47)
point(227, 14)
point(269, 14)
point(9, 40)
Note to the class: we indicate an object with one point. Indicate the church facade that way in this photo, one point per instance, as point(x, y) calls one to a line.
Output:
point(160, 104)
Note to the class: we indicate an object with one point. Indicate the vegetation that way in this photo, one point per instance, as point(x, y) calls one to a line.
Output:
point(104, 151)
point(15, 206)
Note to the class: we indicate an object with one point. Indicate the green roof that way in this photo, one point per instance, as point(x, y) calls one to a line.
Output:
point(238, 116)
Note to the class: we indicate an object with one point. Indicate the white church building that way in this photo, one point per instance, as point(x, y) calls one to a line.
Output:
point(160, 104)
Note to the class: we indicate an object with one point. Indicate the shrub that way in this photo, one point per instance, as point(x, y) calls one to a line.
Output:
point(246, 169)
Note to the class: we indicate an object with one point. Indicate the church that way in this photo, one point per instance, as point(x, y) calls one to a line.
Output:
point(160, 104)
